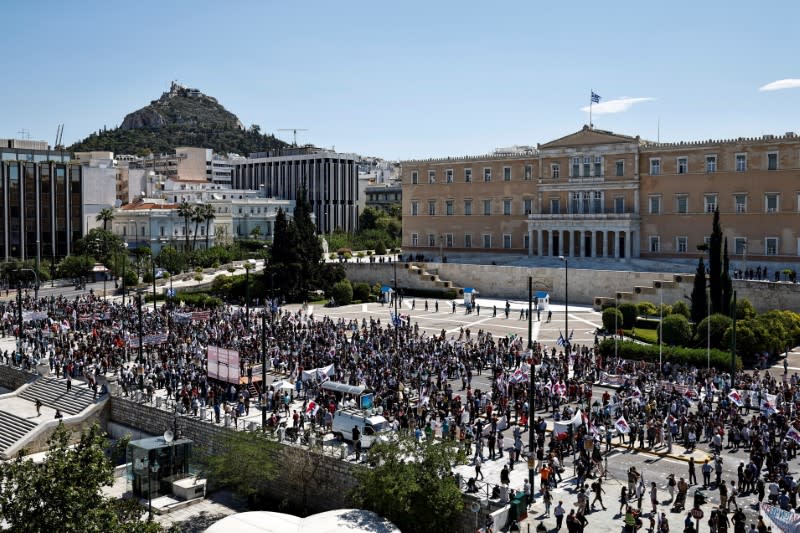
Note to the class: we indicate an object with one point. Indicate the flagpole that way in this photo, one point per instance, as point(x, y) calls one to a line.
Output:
point(590, 108)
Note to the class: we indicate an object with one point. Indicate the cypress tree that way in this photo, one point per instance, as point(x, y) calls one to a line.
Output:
point(715, 264)
point(699, 299)
point(727, 284)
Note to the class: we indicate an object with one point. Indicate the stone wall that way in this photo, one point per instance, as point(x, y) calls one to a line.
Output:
point(508, 282)
point(14, 378)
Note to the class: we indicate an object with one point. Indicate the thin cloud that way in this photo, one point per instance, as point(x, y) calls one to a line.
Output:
point(788, 83)
point(616, 105)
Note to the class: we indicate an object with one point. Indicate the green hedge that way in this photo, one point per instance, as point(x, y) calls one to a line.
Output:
point(646, 323)
point(199, 299)
point(687, 356)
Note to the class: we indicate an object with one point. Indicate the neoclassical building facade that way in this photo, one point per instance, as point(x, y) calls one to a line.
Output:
point(595, 193)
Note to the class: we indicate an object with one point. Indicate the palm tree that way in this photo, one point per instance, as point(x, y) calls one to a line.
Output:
point(185, 211)
point(105, 215)
point(208, 216)
point(198, 217)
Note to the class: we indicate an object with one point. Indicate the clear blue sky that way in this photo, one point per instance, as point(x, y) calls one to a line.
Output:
point(408, 79)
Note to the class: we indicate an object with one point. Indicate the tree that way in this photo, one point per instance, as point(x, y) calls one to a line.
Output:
point(715, 264)
point(368, 219)
point(75, 266)
point(411, 484)
point(727, 284)
point(105, 215)
point(198, 217)
point(611, 318)
point(629, 313)
point(62, 493)
point(675, 330)
point(172, 259)
point(699, 297)
point(719, 324)
point(680, 308)
point(208, 216)
point(102, 245)
point(185, 211)
point(241, 460)
point(342, 292)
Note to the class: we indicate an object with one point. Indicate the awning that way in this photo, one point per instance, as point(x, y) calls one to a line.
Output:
point(542, 294)
point(343, 388)
point(469, 290)
point(386, 288)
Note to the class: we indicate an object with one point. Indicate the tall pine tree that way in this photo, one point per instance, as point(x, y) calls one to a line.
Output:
point(727, 284)
point(699, 299)
point(715, 265)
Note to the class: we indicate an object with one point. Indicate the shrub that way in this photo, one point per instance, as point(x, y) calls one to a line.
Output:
point(666, 310)
point(342, 292)
point(333, 256)
point(744, 309)
point(675, 330)
point(685, 356)
point(719, 324)
point(681, 308)
point(646, 323)
point(231, 269)
point(376, 289)
point(198, 277)
point(166, 274)
point(361, 292)
point(609, 319)
point(646, 309)
point(629, 313)
point(380, 248)
point(198, 269)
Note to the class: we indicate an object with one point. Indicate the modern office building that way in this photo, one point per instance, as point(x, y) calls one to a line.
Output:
point(41, 194)
point(595, 193)
point(330, 179)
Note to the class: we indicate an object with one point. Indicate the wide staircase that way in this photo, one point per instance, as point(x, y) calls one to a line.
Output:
point(53, 393)
point(430, 276)
point(13, 428)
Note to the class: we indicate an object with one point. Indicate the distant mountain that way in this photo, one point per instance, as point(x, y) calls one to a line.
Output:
point(181, 117)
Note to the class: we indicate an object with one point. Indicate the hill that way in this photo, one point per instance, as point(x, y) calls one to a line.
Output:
point(181, 117)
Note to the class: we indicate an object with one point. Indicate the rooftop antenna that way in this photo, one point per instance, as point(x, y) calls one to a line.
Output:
point(294, 134)
point(24, 134)
point(658, 131)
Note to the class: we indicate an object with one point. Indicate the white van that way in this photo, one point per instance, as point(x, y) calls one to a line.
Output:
point(370, 426)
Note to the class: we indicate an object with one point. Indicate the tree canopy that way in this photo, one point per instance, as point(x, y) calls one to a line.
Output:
point(63, 492)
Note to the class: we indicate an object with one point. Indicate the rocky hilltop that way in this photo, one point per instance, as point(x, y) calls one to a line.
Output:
point(182, 116)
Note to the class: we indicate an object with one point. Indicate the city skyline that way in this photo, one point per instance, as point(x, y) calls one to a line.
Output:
point(412, 80)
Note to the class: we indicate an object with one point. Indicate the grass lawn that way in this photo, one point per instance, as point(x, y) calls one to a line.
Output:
point(645, 335)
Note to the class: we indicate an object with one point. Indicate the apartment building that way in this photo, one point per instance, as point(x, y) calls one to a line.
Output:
point(596, 193)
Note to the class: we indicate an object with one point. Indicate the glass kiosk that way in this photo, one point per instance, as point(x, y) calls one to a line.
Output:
point(155, 463)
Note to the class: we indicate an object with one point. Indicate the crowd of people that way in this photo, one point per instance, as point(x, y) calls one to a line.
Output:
point(423, 384)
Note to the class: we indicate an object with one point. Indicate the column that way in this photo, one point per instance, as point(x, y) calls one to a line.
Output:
point(593, 244)
point(616, 244)
point(530, 241)
point(604, 233)
point(539, 243)
point(628, 246)
point(561, 243)
point(583, 243)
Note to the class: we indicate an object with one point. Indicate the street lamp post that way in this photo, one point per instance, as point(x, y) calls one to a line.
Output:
point(263, 369)
point(566, 301)
point(660, 288)
point(139, 307)
point(396, 316)
point(530, 312)
point(616, 321)
point(153, 261)
point(124, 269)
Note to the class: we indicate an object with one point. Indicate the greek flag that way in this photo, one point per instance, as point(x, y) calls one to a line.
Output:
point(570, 336)
point(595, 97)
point(561, 341)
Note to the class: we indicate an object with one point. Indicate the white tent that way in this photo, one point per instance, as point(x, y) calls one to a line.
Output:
point(337, 521)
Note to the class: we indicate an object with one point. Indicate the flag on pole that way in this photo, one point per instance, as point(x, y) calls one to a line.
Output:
point(622, 426)
point(595, 98)
point(736, 398)
point(561, 341)
point(793, 434)
point(312, 408)
point(768, 406)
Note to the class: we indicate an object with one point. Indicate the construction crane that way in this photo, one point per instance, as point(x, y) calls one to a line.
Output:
point(294, 134)
point(59, 134)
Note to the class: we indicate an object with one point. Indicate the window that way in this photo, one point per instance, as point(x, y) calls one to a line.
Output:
point(772, 161)
point(711, 163)
point(468, 207)
point(771, 200)
point(414, 209)
point(448, 175)
point(506, 241)
point(655, 243)
point(528, 172)
point(414, 178)
point(575, 203)
point(740, 245)
point(597, 202)
point(741, 162)
point(449, 208)
point(655, 167)
point(682, 244)
point(555, 171)
point(431, 176)
point(655, 205)
point(506, 173)
point(487, 174)
point(620, 168)
point(771, 246)
point(528, 206)
point(507, 207)
point(740, 201)
point(448, 240)
point(587, 165)
point(709, 203)
point(619, 205)
point(598, 166)
point(467, 175)
point(431, 240)
point(576, 167)
point(487, 240)
point(682, 203)
point(487, 207)
point(683, 165)
point(526, 242)
point(467, 240)
point(432, 208)
point(555, 206)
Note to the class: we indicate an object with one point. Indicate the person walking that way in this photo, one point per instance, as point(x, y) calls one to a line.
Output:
point(597, 488)
point(478, 472)
point(558, 512)
point(707, 468)
point(38, 407)
point(654, 496)
point(692, 471)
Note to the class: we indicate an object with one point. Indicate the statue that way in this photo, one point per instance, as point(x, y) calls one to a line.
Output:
point(324, 246)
